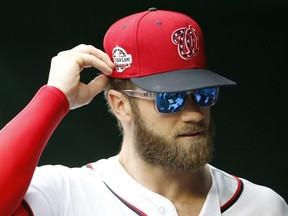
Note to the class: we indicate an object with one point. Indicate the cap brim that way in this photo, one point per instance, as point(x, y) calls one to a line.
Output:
point(181, 80)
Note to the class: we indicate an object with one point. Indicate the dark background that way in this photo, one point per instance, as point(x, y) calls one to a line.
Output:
point(246, 41)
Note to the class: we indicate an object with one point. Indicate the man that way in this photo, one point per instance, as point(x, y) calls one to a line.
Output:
point(160, 91)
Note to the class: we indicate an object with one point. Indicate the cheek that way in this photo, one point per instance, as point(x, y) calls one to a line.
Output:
point(146, 108)
point(206, 114)
point(153, 119)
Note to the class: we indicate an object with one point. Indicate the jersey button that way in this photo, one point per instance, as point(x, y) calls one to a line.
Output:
point(162, 210)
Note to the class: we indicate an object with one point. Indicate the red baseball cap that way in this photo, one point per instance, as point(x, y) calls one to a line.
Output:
point(160, 51)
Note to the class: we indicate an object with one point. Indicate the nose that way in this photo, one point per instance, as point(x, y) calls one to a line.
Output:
point(192, 112)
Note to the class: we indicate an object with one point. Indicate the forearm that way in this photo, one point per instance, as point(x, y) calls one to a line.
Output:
point(22, 141)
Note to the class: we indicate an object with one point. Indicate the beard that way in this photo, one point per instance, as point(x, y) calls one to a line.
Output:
point(169, 152)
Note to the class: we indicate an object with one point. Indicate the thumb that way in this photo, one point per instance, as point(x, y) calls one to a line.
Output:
point(86, 92)
point(98, 84)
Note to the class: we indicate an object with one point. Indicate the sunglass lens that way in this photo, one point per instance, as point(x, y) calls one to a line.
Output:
point(170, 102)
point(206, 97)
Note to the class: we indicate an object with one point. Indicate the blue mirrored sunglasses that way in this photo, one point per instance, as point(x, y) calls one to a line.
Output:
point(172, 102)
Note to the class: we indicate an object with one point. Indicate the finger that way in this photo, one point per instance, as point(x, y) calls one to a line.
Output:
point(89, 49)
point(87, 60)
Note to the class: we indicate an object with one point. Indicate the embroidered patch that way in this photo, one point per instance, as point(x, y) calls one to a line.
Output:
point(121, 59)
point(187, 41)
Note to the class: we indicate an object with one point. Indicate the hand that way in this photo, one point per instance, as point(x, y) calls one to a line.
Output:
point(65, 73)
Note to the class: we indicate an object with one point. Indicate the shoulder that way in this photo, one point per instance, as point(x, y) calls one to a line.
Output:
point(238, 193)
point(59, 172)
point(59, 176)
point(263, 196)
point(52, 185)
point(104, 166)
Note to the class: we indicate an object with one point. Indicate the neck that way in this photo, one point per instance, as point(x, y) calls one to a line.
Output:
point(174, 186)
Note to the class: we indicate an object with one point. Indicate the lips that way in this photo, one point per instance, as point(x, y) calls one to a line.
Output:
point(191, 130)
point(196, 133)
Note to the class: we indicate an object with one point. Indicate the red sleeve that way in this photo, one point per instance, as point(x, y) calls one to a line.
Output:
point(22, 141)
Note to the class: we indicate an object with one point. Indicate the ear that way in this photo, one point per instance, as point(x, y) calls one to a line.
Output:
point(120, 105)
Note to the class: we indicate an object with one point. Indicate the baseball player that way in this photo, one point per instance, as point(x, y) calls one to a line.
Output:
point(152, 59)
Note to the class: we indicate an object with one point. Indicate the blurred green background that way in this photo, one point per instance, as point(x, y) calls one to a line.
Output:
point(246, 41)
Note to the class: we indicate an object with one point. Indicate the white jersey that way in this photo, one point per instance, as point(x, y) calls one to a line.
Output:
point(106, 189)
